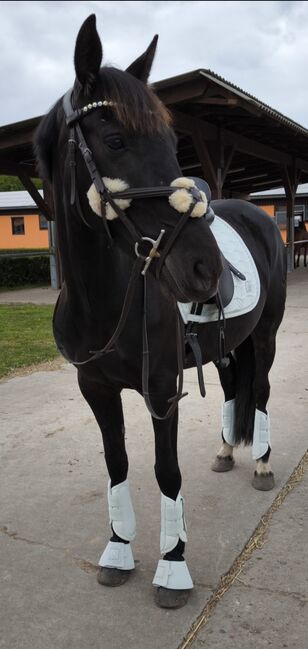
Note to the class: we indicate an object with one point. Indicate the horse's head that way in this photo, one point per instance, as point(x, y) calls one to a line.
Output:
point(116, 116)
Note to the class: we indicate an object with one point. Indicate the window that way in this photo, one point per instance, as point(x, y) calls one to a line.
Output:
point(18, 225)
point(43, 223)
point(281, 218)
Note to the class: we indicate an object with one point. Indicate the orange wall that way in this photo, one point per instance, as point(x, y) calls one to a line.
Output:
point(33, 237)
point(269, 209)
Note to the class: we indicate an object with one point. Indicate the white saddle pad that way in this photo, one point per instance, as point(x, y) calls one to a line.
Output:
point(246, 292)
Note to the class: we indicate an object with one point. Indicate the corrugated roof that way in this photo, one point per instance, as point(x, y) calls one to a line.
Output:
point(228, 85)
point(279, 191)
point(17, 200)
point(259, 104)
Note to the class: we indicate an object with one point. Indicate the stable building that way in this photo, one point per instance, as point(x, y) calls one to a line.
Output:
point(22, 225)
point(274, 202)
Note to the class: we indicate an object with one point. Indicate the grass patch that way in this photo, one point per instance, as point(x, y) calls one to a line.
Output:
point(25, 336)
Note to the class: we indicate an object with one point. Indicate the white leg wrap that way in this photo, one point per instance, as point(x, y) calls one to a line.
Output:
point(261, 435)
point(173, 574)
point(121, 512)
point(228, 422)
point(173, 525)
point(117, 555)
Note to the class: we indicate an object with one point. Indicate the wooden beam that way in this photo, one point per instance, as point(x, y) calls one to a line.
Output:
point(21, 138)
point(14, 169)
point(208, 169)
point(290, 182)
point(182, 92)
point(187, 124)
point(228, 157)
point(30, 187)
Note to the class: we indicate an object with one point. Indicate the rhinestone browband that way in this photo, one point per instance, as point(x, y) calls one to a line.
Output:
point(96, 104)
point(79, 112)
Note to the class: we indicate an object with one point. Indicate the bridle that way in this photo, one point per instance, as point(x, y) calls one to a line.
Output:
point(142, 262)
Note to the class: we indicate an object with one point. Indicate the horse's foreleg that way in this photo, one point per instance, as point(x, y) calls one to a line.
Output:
point(117, 560)
point(172, 577)
point(224, 460)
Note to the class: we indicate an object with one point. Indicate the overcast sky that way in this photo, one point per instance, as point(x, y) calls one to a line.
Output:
point(260, 46)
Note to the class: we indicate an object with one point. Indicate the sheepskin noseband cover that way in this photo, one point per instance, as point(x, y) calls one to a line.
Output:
point(181, 199)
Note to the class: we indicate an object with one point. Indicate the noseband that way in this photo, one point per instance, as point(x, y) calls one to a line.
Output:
point(142, 263)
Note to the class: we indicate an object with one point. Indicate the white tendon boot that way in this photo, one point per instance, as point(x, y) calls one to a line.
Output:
point(172, 574)
point(261, 435)
point(228, 421)
point(122, 518)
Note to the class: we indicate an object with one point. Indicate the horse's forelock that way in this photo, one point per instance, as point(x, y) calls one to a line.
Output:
point(135, 105)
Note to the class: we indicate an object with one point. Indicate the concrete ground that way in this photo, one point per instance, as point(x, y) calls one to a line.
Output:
point(37, 295)
point(54, 521)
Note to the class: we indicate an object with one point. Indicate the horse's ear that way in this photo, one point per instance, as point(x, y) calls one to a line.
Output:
point(88, 54)
point(141, 68)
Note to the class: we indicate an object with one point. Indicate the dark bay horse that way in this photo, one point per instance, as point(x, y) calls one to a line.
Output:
point(134, 236)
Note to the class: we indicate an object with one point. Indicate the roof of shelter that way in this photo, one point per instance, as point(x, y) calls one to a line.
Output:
point(259, 140)
point(17, 200)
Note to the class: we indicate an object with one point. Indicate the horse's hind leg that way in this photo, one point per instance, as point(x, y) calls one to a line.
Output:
point(224, 460)
point(172, 577)
point(117, 560)
point(264, 344)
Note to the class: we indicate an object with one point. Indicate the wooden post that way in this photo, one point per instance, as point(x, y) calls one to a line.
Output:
point(215, 160)
point(290, 182)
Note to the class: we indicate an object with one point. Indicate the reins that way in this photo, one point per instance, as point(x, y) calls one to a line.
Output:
point(142, 263)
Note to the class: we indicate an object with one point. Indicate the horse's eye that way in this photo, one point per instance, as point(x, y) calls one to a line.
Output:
point(114, 142)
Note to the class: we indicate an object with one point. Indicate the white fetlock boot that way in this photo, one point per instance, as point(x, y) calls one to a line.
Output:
point(122, 518)
point(172, 574)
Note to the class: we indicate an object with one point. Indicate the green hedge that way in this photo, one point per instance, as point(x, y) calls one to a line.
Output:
point(24, 270)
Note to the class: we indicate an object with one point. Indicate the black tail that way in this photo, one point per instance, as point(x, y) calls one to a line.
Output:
point(245, 399)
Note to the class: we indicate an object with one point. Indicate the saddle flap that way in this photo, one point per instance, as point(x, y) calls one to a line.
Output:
point(226, 284)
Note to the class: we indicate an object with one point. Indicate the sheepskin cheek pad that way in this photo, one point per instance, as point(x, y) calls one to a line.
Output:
point(113, 185)
point(181, 199)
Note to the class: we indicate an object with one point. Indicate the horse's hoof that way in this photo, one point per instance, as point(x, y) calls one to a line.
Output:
point(222, 464)
point(264, 481)
point(112, 576)
point(169, 598)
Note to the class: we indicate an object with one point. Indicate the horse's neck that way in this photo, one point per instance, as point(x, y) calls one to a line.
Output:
point(93, 274)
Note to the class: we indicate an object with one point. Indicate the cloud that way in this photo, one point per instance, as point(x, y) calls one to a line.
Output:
point(260, 46)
